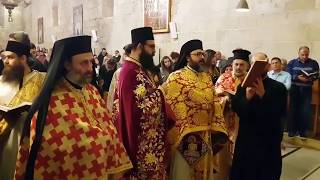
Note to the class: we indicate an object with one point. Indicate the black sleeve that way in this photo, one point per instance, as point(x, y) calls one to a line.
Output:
point(273, 103)
point(239, 103)
point(102, 72)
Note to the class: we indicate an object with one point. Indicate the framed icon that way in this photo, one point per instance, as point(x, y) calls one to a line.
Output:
point(157, 15)
point(78, 20)
point(40, 30)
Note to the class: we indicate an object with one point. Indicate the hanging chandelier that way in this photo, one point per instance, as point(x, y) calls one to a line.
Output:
point(10, 5)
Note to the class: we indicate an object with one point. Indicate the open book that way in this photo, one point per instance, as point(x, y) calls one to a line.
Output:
point(313, 74)
point(19, 108)
point(255, 71)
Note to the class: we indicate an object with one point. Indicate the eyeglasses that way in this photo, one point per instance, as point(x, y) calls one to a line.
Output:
point(198, 54)
point(153, 46)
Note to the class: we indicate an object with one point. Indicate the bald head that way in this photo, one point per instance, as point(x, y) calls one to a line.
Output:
point(259, 56)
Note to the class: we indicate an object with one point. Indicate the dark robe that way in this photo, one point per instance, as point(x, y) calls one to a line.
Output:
point(35, 64)
point(116, 59)
point(100, 58)
point(257, 153)
point(106, 75)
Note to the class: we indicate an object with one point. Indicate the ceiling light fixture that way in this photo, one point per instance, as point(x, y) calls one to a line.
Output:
point(9, 5)
point(243, 6)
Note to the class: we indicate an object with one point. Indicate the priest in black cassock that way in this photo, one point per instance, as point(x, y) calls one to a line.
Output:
point(257, 153)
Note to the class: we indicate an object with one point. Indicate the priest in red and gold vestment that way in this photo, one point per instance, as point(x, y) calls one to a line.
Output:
point(72, 135)
point(199, 131)
point(141, 120)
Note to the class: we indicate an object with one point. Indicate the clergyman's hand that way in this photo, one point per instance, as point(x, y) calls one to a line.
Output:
point(250, 92)
point(259, 87)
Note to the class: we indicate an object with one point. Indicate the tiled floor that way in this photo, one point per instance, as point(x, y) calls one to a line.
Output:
point(302, 164)
point(314, 176)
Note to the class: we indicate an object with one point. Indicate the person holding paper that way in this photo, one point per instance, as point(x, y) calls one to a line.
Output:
point(257, 153)
point(18, 84)
point(74, 137)
point(301, 92)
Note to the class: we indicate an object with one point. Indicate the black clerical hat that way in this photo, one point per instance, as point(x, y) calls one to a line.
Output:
point(64, 49)
point(185, 51)
point(241, 54)
point(18, 48)
point(190, 46)
point(142, 34)
point(74, 45)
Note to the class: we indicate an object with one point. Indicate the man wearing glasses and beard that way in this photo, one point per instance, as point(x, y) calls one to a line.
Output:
point(199, 132)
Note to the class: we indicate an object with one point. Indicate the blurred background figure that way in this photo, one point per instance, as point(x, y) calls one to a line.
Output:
point(166, 67)
point(210, 65)
point(105, 73)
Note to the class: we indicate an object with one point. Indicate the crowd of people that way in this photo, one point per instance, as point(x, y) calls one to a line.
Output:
point(120, 116)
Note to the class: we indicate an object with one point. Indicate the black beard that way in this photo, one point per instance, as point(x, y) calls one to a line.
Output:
point(146, 61)
point(204, 68)
point(13, 74)
point(196, 67)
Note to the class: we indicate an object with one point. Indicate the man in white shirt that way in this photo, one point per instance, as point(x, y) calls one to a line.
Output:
point(277, 74)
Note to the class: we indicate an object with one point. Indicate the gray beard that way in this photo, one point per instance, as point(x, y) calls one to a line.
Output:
point(76, 80)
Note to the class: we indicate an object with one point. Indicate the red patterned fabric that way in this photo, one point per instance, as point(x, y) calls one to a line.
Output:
point(79, 140)
point(141, 122)
point(226, 82)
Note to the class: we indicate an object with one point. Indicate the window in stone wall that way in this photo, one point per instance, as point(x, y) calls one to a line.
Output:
point(1, 15)
point(107, 8)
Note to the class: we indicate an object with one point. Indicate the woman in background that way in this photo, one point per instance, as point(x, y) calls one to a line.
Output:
point(166, 67)
point(210, 65)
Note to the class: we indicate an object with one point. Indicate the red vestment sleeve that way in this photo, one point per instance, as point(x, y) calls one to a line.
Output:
point(129, 113)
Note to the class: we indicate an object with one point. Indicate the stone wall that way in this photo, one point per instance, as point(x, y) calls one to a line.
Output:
point(7, 27)
point(277, 27)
